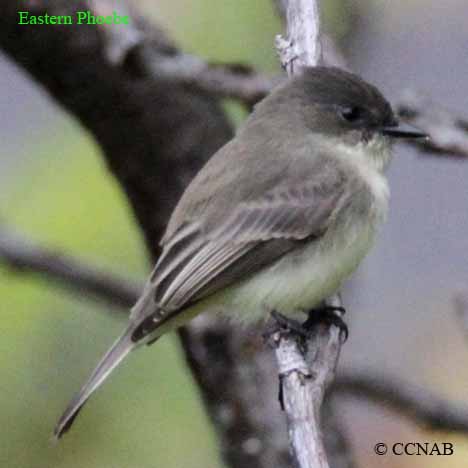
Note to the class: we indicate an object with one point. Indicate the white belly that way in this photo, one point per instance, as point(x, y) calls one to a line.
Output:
point(310, 274)
point(301, 280)
point(298, 282)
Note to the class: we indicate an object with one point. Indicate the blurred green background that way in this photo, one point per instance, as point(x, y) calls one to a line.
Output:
point(149, 414)
point(56, 189)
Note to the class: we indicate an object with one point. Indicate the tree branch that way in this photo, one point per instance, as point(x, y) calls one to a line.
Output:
point(448, 132)
point(130, 49)
point(155, 134)
point(26, 256)
point(415, 402)
point(144, 51)
point(305, 371)
point(301, 47)
point(156, 129)
point(222, 80)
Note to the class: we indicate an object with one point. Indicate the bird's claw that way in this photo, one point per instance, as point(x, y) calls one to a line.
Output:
point(329, 315)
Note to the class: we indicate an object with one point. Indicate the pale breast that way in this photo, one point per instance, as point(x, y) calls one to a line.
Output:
point(302, 279)
point(314, 271)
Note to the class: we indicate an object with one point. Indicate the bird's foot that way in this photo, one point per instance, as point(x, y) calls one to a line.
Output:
point(282, 324)
point(328, 315)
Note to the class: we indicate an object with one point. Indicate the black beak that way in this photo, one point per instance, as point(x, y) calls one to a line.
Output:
point(403, 130)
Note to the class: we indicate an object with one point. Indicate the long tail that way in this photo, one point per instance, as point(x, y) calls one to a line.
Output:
point(108, 363)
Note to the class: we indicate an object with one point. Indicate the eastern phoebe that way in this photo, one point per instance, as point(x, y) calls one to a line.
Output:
point(276, 219)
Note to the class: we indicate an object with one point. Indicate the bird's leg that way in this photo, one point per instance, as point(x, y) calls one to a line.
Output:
point(329, 315)
point(326, 314)
point(282, 323)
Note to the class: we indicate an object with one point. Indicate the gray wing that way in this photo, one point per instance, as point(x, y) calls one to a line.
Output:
point(195, 264)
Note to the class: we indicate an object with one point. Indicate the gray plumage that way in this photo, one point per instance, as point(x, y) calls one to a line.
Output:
point(276, 219)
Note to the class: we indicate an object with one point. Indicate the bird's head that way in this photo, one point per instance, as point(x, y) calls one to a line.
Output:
point(340, 108)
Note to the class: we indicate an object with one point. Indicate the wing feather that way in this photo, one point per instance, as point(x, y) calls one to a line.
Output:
point(206, 265)
point(297, 214)
point(195, 263)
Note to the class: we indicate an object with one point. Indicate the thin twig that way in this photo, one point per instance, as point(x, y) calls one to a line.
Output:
point(132, 49)
point(305, 372)
point(24, 255)
point(301, 47)
point(448, 132)
point(415, 402)
point(155, 135)
point(222, 80)
point(153, 155)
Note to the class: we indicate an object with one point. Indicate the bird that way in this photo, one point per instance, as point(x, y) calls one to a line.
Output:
point(277, 218)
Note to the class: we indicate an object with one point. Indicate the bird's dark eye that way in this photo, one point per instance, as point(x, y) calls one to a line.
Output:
point(352, 114)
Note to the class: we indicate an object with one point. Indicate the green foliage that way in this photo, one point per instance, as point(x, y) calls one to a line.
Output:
point(51, 340)
point(228, 31)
